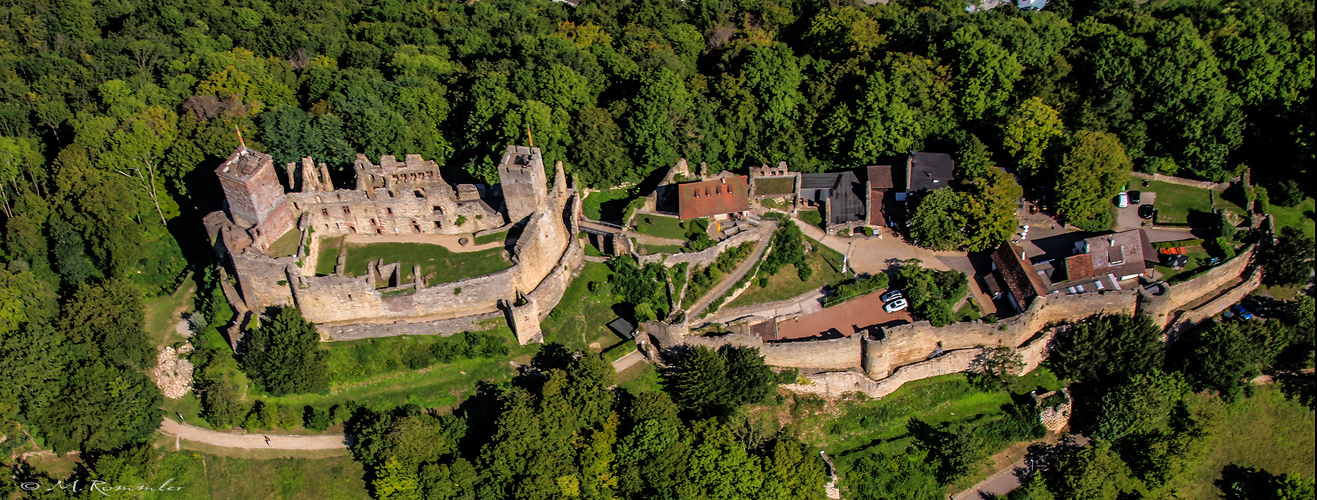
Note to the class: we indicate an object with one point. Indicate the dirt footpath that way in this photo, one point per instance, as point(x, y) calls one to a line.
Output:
point(252, 441)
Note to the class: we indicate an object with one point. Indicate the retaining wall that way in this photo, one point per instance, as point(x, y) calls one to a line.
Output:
point(1220, 186)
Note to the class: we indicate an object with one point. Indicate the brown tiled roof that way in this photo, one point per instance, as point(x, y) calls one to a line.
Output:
point(715, 197)
point(1017, 274)
point(880, 177)
point(1078, 267)
point(1123, 254)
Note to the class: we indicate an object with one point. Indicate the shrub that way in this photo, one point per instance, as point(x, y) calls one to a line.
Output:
point(461, 219)
point(868, 231)
point(315, 419)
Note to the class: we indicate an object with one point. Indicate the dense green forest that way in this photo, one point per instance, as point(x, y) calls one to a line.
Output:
point(114, 113)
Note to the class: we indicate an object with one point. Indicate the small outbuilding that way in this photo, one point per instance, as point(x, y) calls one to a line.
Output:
point(623, 328)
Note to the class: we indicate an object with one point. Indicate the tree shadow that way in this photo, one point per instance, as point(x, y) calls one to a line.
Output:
point(1244, 483)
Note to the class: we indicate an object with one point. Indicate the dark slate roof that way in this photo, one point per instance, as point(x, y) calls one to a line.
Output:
point(1017, 274)
point(847, 199)
point(846, 194)
point(819, 181)
point(714, 197)
point(930, 171)
point(623, 328)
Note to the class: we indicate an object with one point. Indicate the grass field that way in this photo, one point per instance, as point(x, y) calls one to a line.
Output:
point(491, 238)
point(446, 265)
point(162, 313)
point(286, 245)
point(1178, 204)
point(327, 261)
point(582, 316)
point(812, 217)
point(1300, 216)
point(642, 377)
point(607, 205)
point(437, 386)
point(826, 263)
point(1197, 260)
point(202, 475)
point(660, 226)
point(775, 186)
point(1266, 431)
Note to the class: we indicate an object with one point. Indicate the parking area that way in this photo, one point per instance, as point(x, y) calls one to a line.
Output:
point(1128, 217)
point(842, 321)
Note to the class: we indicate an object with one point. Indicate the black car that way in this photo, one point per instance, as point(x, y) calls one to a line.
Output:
point(1136, 197)
point(1147, 212)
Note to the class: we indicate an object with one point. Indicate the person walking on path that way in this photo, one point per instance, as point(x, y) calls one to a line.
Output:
point(267, 440)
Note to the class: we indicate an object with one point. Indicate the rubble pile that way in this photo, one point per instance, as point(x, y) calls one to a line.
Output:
point(173, 374)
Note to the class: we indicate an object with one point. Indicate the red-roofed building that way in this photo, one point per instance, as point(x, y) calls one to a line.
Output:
point(713, 198)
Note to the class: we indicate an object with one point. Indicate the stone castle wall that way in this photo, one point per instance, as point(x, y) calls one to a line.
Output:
point(706, 256)
point(1161, 308)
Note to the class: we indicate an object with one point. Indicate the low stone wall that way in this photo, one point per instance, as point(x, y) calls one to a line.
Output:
point(1161, 308)
point(837, 353)
point(708, 255)
point(444, 327)
point(1220, 186)
point(1193, 317)
point(911, 343)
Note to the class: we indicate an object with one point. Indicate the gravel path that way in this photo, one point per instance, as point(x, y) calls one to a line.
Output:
point(253, 441)
point(731, 280)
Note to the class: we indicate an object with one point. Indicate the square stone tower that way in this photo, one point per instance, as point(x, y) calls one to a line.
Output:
point(255, 196)
point(524, 185)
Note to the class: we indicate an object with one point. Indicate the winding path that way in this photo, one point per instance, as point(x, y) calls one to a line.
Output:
point(252, 441)
point(731, 280)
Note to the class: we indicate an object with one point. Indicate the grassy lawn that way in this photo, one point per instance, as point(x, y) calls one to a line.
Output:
point(1178, 204)
point(880, 425)
point(641, 377)
point(202, 475)
point(286, 245)
point(661, 227)
point(1197, 260)
point(1300, 216)
point(582, 316)
point(811, 217)
point(826, 263)
point(446, 265)
point(491, 238)
point(775, 186)
point(437, 386)
point(327, 262)
point(163, 312)
point(969, 311)
point(607, 205)
point(1266, 431)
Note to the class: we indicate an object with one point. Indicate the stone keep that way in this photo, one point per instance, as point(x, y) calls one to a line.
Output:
point(255, 196)
point(521, 173)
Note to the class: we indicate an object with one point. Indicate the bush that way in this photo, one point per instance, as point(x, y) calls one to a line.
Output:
point(868, 231)
point(468, 345)
point(1288, 193)
point(315, 419)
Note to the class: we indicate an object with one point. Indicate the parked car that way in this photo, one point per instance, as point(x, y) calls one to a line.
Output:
point(1241, 312)
point(1123, 200)
point(891, 295)
point(1147, 212)
point(1136, 197)
point(895, 305)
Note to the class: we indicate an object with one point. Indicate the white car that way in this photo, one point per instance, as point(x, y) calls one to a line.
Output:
point(1123, 200)
point(895, 305)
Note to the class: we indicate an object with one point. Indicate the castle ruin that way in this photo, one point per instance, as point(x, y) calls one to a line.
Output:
point(394, 200)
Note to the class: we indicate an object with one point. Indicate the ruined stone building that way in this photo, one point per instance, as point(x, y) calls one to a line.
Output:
point(395, 199)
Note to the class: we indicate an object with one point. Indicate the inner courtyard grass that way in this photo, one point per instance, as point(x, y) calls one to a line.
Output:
point(447, 266)
point(327, 261)
point(286, 245)
point(826, 263)
point(661, 226)
point(775, 186)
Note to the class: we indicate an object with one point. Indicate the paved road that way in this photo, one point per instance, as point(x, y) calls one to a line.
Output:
point(1008, 479)
point(731, 280)
point(252, 441)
